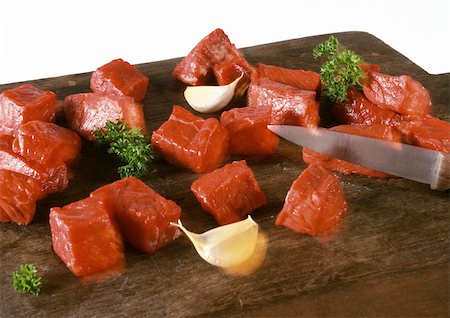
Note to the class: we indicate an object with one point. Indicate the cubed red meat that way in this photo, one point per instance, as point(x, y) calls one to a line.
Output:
point(358, 110)
point(11, 161)
point(86, 240)
point(428, 132)
point(374, 131)
point(143, 215)
point(46, 143)
point(315, 202)
point(190, 141)
point(401, 94)
point(42, 151)
point(289, 105)
point(229, 193)
point(119, 78)
point(247, 128)
point(55, 178)
point(227, 72)
point(51, 178)
point(22, 104)
point(88, 112)
point(18, 196)
point(215, 48)
point(305, 80)
point(6, 141)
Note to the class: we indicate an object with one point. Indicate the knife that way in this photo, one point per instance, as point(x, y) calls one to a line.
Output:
point(402, 160)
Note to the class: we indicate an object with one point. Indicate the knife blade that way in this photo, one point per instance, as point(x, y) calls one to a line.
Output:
point(406, 161)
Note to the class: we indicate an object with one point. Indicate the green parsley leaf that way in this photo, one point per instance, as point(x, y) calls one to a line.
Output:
point(330, 46)
point(130, 145)
point(340, 71)
point(25, 280)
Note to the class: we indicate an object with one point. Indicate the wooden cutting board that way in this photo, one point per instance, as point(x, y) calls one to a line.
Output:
point(390, 257)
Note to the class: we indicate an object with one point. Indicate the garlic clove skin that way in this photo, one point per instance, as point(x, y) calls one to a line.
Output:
point(210, 99)
point(225, 246)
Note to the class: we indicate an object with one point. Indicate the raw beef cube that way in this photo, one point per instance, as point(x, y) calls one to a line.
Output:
point(358, 110)
point(119, 78)
point(88, 112)
point(143, 215)
point(227, 72)
point(374, 131)
point(289, 105)
point(190, 141)
point(52, 179)
point(315, 202)
point(428, 132)
point(55, 178)
point(14, 162)
point(213, 49)
point(18, 196)
point(46, 143)
point(86, 240)
point(229, 193)
point(306, 80)
point(401, 94)
point(22, 104)
point(6, 141)
point(247, 128)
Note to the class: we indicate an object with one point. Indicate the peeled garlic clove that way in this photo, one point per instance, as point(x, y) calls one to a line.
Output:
point(225, 246)
point(210, 99)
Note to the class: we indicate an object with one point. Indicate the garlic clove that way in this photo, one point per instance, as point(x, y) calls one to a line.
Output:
point(225, 246)
point(210, 99)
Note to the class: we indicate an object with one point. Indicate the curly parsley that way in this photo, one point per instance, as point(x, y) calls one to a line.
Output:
point(130, 145)
point(340, 71)
point(26, 280)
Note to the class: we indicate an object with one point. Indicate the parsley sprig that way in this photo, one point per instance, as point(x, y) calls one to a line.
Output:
point(130, 145)
point(26, 280)
point(340, 71)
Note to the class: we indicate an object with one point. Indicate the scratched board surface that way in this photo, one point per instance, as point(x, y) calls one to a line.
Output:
point(389, 258)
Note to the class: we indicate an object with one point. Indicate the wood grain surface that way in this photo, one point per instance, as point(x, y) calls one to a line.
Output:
point(390, 257)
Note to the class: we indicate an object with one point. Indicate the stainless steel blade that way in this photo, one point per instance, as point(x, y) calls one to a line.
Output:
point(410, 162)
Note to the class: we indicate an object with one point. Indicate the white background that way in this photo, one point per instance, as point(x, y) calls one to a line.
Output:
point(40, 39)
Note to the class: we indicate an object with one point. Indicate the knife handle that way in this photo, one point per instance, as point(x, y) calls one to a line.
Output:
point(441, 173)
